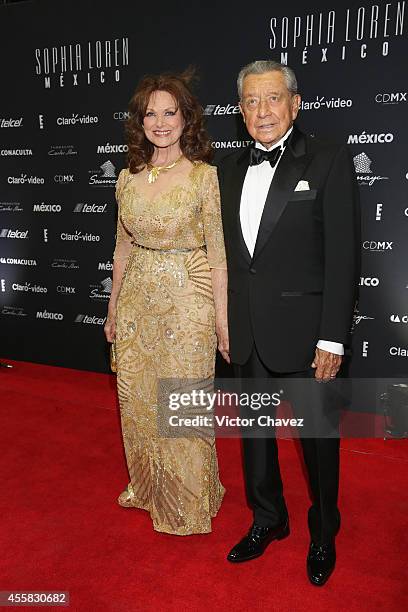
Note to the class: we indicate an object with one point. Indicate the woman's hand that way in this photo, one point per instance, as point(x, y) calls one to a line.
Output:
point(221, 329)
point(110, 327)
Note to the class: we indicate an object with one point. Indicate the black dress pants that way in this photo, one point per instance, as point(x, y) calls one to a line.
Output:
point(262, 474)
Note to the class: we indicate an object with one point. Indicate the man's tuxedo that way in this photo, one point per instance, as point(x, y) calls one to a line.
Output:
point(300, 285)
point(298, 288)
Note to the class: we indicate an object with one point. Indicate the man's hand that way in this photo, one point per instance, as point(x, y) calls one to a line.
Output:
point(327, 365)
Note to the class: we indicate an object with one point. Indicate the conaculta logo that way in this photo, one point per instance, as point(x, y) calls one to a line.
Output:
point(14, 261)
point(394, 318)
point(25, 179)
point(8, 233)
point(95, 62)
point(11, 123)
point(322, 103)
point(230, 144)
point(15, 152)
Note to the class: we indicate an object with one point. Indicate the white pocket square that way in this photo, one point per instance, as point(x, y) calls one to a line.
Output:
point(302, 186)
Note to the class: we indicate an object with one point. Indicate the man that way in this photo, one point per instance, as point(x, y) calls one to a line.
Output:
point(291, 226)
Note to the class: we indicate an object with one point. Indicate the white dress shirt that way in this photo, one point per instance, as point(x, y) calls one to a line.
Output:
point(255, 189)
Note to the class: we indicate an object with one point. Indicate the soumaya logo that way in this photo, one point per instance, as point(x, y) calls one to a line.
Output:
point(15, 152)
point(90, 319)
point(15, 311)
point(88, 237)
point(11, 123)
point(112, 148)
point(63, 179)
point(365, 176)
point(67, 264)
point(29, 288)
point(105, 265)
point(365, 138)
point(376, 246)
point(76, 119)
point(89, 208)
point(24, 179)
point(66, 290)
point(364, 348)
point(62, 150)
point(106, 177)
point(121, 115)
point(45, 234)
point(19, 234)
point(102, 290)
point(14, 261)
point(217, 109)
point(394, 318)
point(328, 104)
point(398, 351)
point(41, 122)
point(391, 97)
point(10, 207)
point(230, 144)
point(95, 62)
point(50, 316)
point(357, 318)
point(378, 212)
point(47, 208)
point(2, 285)
point(369, 281)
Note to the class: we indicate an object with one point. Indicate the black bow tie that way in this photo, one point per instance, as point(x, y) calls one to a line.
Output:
point(257, 156)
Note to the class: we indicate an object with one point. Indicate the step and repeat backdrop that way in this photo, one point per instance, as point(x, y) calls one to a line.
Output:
point(68, 71)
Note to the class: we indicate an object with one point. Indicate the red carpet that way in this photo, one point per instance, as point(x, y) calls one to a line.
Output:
point(61, 529)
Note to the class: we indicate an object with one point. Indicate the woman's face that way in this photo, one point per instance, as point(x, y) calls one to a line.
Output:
point(163, 122)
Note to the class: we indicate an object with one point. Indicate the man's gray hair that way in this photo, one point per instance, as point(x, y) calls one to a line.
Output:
point(262, 66)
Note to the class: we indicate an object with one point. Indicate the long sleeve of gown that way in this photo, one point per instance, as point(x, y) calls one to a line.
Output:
point(211, 211)
point(124, 239)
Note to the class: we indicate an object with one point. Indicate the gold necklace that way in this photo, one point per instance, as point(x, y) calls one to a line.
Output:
point(154, 171)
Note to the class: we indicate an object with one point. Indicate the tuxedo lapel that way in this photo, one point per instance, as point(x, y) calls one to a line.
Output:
point(290, 169)
point(235, 193)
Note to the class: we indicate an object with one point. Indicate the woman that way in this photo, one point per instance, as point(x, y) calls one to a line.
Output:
point(168, 300)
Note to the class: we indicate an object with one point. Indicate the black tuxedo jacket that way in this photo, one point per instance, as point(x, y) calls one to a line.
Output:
point(301, 283)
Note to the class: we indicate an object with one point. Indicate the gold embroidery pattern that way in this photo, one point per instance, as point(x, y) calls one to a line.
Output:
point(165, 328)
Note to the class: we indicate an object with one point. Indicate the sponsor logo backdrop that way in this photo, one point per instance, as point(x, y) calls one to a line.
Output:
point(65, 90)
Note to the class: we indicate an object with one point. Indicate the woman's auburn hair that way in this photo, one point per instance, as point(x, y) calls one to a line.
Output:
point(194, 141)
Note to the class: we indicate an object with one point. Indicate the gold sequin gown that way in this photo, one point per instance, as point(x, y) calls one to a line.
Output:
point(165, 328)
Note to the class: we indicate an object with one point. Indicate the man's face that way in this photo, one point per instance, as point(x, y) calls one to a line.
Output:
point(268, 108)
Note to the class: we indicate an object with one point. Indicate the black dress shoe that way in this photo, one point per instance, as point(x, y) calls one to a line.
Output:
point(321, 561)
point(255, 542)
